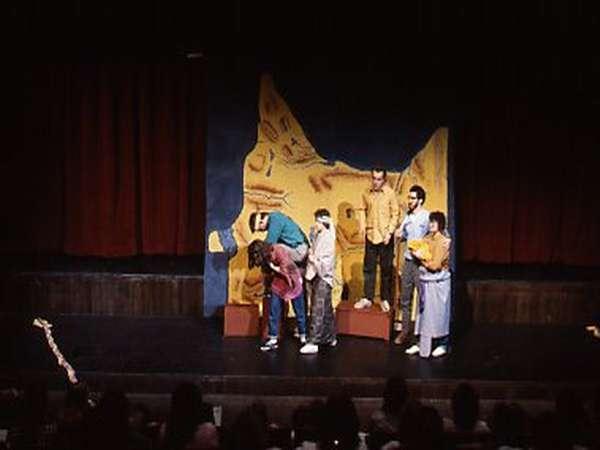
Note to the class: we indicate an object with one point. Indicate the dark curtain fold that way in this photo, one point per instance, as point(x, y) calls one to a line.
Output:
point(113, 165)
point(527, 184)
point(121, 150)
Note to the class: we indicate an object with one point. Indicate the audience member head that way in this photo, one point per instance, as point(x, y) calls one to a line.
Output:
point(547, 433)
point(110, 421)
point(139, 418)
point(395, 395)
point(251, 429)
point(509, 425)
point(34, 404)
point(185, 416)
point(76, 402)
point(574, 422)
point(596, 405)
point(465, 407)
point(422, 428)
point(206, 437)
point(306, 422)
point(340, 422)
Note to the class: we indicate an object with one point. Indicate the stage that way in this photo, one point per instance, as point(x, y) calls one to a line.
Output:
point(147, 357)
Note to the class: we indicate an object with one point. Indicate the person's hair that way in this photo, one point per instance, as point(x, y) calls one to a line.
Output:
point(111, 420)
point(548, 432)
point(379, 169)
point(340, 422)
point(186, 414)
point(509, 424)
point(465, 407)
point(395, 395)
point(421, 427)
point(251, 429)
point(306, 422)
point(257, 254)
point(77, 396)
point(440, 218)
point(322, 212)
point(252, 219)
point(419, 191)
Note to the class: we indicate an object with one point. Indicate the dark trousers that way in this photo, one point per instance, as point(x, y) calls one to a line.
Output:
point(409, 282)
point(384, 255)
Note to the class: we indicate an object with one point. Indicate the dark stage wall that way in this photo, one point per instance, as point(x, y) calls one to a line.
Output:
point(108, 159)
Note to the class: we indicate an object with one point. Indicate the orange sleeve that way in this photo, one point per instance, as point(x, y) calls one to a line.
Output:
point(440, 251)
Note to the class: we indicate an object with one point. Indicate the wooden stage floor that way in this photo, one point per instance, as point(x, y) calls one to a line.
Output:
point(153, 354)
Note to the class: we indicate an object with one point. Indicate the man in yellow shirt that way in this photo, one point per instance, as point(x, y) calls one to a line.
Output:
point(378, 220)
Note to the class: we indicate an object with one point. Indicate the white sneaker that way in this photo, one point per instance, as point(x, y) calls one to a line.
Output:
point(333, 343)
point(270, 344)
point(412, 350)
point(303, 339)
point(309, 349)
point(363, 303)
point(439, 351)
point(385, 306)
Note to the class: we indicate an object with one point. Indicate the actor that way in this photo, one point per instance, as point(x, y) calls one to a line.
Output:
point(414, 226)
point(281, 230)
point(378, 221)
point(285, 285)
point(433, 314)
point(320, 276)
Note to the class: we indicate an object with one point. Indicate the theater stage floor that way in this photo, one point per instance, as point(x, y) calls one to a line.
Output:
point(153, 354)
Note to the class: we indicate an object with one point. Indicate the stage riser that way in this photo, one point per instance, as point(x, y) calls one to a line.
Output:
point(103, 294)
point(523, 302)
point(298, 386)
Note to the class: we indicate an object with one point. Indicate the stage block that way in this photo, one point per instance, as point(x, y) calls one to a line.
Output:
point(241, 320)
point(369, 322)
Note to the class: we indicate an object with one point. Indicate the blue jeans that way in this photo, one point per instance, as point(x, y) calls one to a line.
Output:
point(275, 308)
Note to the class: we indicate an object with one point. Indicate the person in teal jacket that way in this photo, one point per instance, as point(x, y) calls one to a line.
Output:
point(281, 230)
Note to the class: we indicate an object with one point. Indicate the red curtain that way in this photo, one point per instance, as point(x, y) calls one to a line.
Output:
point(113, 165)
point(115, 159)
point(527, 184)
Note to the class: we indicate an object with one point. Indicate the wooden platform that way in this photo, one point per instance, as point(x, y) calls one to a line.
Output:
point(100, 293)
point(533, 302)
point(369, 322)
point(241, 320)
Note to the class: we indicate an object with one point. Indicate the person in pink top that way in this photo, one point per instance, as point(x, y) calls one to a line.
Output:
point(284, 279)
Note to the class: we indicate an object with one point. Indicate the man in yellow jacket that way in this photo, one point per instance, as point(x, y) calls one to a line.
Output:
point(378, 220)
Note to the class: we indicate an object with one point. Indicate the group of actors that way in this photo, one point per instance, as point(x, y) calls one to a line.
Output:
point(295, 265)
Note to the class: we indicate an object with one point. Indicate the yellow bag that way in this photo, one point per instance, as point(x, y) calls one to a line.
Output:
point(420, 247)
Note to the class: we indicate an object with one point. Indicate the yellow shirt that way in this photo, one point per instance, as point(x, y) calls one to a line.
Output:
point(381, 213)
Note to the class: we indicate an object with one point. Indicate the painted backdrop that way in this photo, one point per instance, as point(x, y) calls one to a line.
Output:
point(285, 170)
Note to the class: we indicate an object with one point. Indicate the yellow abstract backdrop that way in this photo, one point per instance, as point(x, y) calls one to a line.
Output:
point(285, 172)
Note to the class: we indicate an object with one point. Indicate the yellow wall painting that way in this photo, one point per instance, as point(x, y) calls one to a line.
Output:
point(285, 172)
